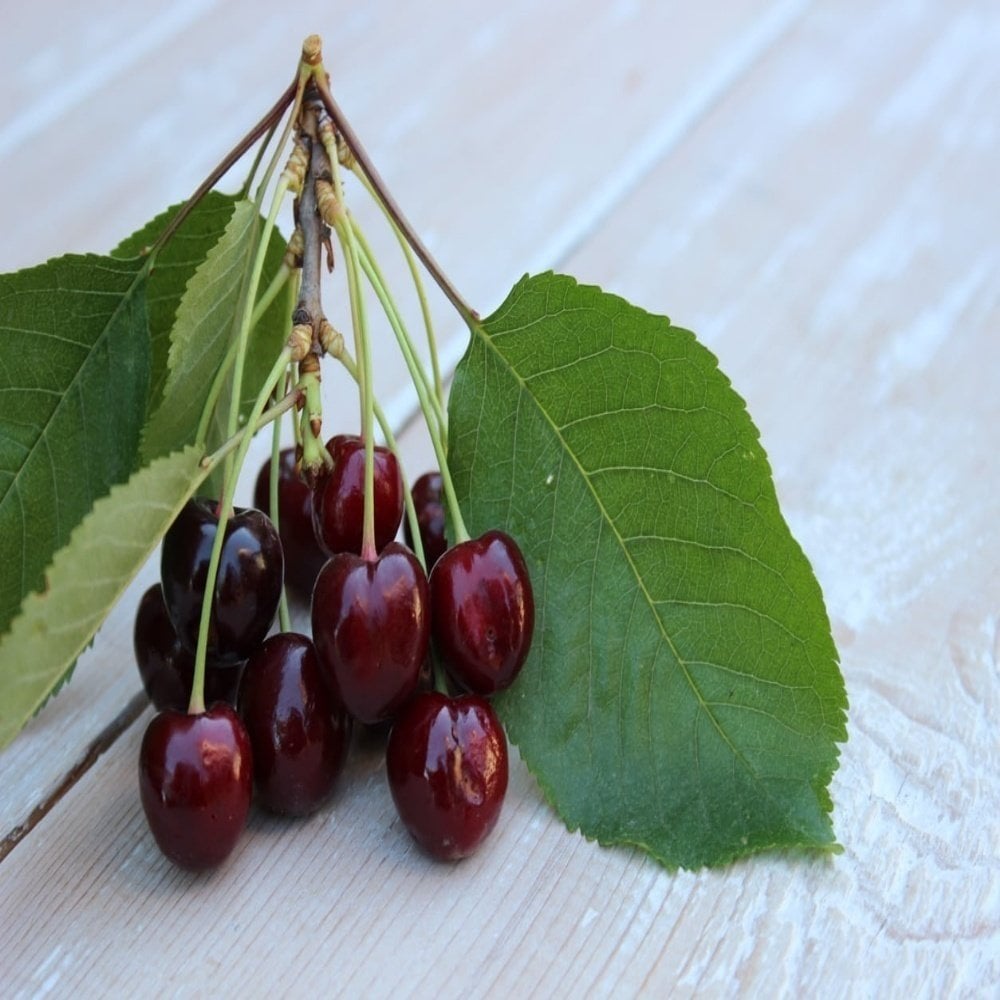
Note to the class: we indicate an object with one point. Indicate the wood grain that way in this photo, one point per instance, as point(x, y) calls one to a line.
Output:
point(827, 222)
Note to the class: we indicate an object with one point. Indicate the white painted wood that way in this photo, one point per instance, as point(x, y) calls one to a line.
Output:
point(829, 228)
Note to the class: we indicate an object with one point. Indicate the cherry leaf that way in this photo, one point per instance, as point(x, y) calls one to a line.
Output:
point(74, 384)
point(176, 263)
point(207, 322)
point(85, 580)
point(682, 694)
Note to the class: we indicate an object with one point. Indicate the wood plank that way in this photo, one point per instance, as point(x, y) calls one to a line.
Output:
point(478, 76)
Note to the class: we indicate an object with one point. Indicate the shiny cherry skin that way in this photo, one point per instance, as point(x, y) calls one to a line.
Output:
point(446, 764)
point(195, 782)
point(298, 733)
point(249, 581)
point(166, 667)
point(371, 626)
point(303, 556)
point(428, 503)
point(339, 497)
point(483, 611)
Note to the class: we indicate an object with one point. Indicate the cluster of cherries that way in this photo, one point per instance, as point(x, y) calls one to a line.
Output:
point(280, 708)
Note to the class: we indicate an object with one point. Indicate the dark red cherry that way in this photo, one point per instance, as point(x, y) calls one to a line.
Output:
point(429, 506)
point(303, 556)
point(483, 611)
point(339, 497)
point(248, 586)
point(446, 763)
point(195, 782)
point(371, 626)
point(298, 733)
point(166, 667)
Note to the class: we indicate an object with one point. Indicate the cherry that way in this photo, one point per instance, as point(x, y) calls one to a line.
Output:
point(483, 611)
point(339, 497)
point(429, 506)
point(166, 667)
point(303, 556)
point(446, 763)
point(248, 586)
point(371, 626)
point(298, 733)
point(195, 782)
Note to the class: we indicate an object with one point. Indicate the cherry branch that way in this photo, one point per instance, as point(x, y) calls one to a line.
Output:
point(359, 153)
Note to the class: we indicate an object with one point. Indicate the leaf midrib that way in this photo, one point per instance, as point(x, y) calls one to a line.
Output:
point(478, 329)
point(139, 276)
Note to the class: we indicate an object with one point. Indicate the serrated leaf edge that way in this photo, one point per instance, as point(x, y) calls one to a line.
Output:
point(837, 727)
point(35, 608)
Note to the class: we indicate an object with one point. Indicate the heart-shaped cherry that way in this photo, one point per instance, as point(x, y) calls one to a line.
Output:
point(248, 586)
point(195, 782)
point(371, 626)
point(339, 497)
point(483, 611)
point(298, 733)
point(429, 506)
point(166, 667)
point(303, 556)
point(446, 764)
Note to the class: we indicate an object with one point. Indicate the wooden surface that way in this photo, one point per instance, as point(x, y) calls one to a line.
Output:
point(811, 186)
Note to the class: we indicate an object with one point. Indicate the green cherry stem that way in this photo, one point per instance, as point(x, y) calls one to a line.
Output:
point(349, 245)
point(418, 284)
point(375, 277)
point(270, 293)
point(212, 461)
point(440, 676)
point(246, 319)
point(215, 391)
point(197, 702)
point(427, 401)
point(296, 101)
point(257, 157)
point(284, 618)
point(347, 361)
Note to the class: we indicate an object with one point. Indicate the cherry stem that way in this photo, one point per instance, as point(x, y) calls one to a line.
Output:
point(370, 266)
point(211, 462)
point(346, 237)
point(354, 144)
point(440, 677)
point(246, 317)
point(284, 618)
point(236, 153)
point(282, 275)
point(411, 511)
point(418, 284)
point(225, 368)
point(296, 101)
point(258, 156)
point(197, 702)
point(423, 392)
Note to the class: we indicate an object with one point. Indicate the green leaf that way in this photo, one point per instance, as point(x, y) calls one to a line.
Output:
point(85, 580)
point(175, 264)
point(74, 384)
point(207, 322)
point(682, 694)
